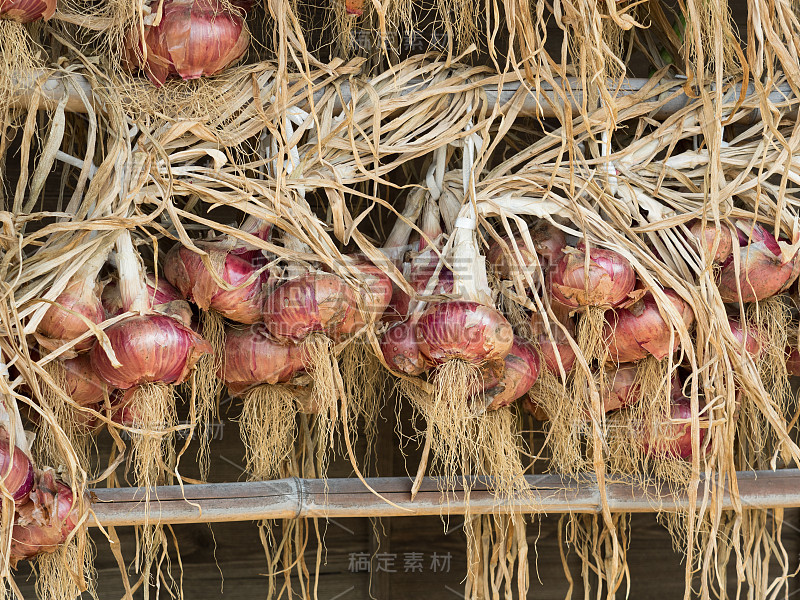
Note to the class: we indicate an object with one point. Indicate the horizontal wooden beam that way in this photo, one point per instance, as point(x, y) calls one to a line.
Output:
point(299, 498)
point(542, 103)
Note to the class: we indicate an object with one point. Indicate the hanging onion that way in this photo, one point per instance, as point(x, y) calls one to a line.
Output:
point(253, 357)
point(16, 469)
point(464, 330)
point(401, 350)
point(705, 236)
point(671, 439)
point(793, 361)
point(607, 284)
point(186, 271)
point(152, 349)
point(194, 38)
point(521, 369)
point(556, 345)
point(639, 330)
point(618, 388)
point(45, 520)
point(748, 337)
point(60, 324)
point(312, 303)
point(27, 11)
point(766, 266)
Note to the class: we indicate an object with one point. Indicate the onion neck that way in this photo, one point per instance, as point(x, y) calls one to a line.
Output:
point(431, 224)
point(470, 281)
point(132, 283)
point(401, 232)
point(295, 268)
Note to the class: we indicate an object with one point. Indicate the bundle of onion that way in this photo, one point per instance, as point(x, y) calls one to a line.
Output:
point(593, 282)
point(76, 310)
point(765, 269)
point(459, 337)
point(191, 39)
point(151, 352)
point(228, 281)
point(256, 367)
point(313, 311)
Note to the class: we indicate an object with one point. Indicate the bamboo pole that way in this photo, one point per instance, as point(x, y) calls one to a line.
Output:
point(541, 104)
point(299, 498)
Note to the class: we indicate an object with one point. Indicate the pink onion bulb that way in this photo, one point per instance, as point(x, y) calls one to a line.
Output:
point(16, 469)
point(748, 336)
point(253, 357)
point(704, 237)
point(548, 243)
point(767, 267)
point(58, 326)
point(311, 303)
point(152, 349)
point(401, 350)
point(637, 331)
point(45, 521)
point(618, 389)
point(194, 38)
point(186, 271)
point(376, 289)
point(609, 281)
point(556, 348)
point(465, 330)
point(673, 439)
point(521, 370)
point(27, 11)
point(82, 383)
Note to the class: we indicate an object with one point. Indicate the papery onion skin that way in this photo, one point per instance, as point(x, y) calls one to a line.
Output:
point(160, 292)
point(82, 383)
point(749, 337)
point(194, 38)
point(311, 303)
point(152, 349)
point(58, 326)
point(45, 521)
point(401, 350)
point(253, 357)
point(520, 373)
point(764, 271)
point(674, 439)
point(16, 469)
point(186, 271)
point(639, 331)
point(610, 279)
point(556, 348)
point(705, 236)
point(376, 290)
point(548, 244)
point(465, 330)
point(27, 11)
point(619, 389)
